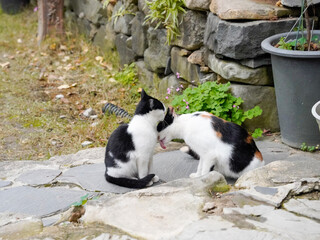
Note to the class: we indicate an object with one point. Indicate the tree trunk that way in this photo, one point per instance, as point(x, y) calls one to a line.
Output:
point(50, 18)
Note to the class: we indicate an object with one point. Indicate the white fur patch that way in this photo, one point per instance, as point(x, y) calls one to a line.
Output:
point(144, 136)
point(197, 132)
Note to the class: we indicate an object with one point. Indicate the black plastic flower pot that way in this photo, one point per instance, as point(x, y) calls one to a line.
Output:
point(297, 84)
point(13, 6)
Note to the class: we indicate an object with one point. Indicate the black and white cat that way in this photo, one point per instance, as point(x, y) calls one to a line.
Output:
point(220, 145)
point(129, 151)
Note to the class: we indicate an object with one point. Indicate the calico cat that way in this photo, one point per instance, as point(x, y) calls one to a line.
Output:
point(224, 146)
point(129, 152)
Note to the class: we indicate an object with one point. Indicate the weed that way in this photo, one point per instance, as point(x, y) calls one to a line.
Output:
point(166, 13)
point(304, 147)
point(128, 75)
point(216, 99)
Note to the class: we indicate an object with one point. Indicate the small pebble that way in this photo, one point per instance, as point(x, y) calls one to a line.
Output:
point(59, 96)
point(89, 112)
point(208, 206)
point(86, 143)
point(94, 124)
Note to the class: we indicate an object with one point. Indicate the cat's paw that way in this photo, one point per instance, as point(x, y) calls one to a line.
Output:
point(185, 149)
point(193, 175)
point(155, 179)
point(149, 184)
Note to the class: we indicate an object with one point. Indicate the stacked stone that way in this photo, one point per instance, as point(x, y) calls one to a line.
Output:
point(91, 19)
point(219, 41)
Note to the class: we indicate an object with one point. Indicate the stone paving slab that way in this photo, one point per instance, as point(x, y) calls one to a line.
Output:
point(215, 227)
point(158, 212)
point(304, 207)
point(5, 183)
point(43, 189)
point(37, 202)
point(39, 176)
point(90, 177)
point(174, 165)
point(281, 173)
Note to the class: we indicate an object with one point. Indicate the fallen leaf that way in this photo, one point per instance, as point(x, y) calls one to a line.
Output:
point(64, 86)
point(65, 59)
point(65, 100)
point(71, 94)
point(63, 48)
point(53, 46)
point(103, 102)
point(5, 65)
point(112, 80)
point(85, 49)
point(80, 107)
point(99, 59)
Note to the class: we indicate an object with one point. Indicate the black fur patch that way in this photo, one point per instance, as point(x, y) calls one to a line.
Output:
point(233, 134)
point(130, 183)
point(193, 154)
point(148, 104)
point(120, 143)
point(168, 120)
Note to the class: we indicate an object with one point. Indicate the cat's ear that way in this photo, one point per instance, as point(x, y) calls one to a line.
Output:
point(171, 111)
point(143, 94)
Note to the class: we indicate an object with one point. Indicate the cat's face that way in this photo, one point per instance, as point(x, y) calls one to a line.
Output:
point(151, 106)
point(162, 128)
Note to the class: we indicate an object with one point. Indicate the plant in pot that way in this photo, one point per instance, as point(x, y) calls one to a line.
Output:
point(295, 58)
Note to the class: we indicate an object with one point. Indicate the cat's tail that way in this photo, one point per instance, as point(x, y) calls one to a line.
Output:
point(188, 150)
point(130, 183)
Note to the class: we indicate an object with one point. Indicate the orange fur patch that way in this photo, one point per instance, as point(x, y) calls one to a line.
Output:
point(219, 134)
point(258, 155)
point(206, 116)
point(249, 139)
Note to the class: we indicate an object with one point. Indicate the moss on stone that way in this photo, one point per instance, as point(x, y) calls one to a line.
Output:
point(220, 187)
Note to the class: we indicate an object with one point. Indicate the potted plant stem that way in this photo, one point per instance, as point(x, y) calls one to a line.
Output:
point(296, 76)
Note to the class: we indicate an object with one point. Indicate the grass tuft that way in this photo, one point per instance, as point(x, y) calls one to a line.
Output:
point(34, 124)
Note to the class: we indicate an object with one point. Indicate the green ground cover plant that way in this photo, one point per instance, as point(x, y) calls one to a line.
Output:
point(166, 13)
point(215, 98)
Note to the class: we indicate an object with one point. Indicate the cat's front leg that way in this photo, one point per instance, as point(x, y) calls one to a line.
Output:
point(155, 178)
point(143, 169)
point(208, 165)
point(199, 170)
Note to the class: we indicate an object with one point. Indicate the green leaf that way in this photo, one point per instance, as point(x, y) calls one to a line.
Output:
point(257, 133)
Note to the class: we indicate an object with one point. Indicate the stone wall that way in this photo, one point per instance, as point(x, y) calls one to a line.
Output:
point(219, 41)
